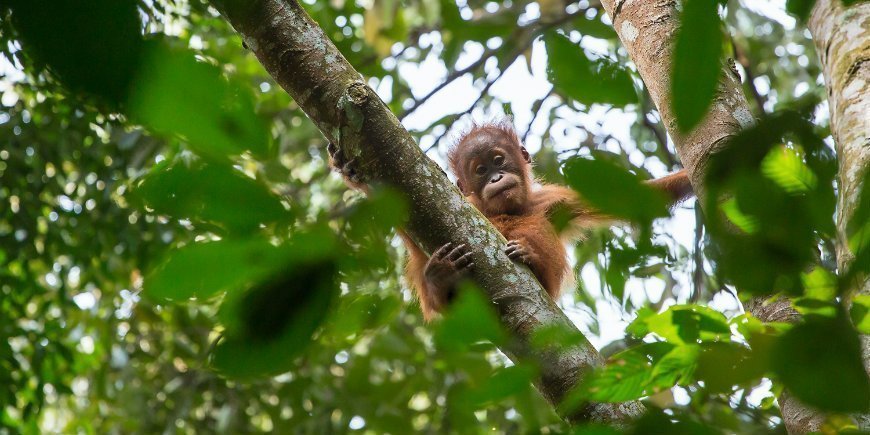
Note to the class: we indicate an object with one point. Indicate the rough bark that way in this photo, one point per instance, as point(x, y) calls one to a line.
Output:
point(299, 56)
point(647, 29)
point(842, 38)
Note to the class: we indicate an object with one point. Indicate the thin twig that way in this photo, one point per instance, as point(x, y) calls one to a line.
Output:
point(740, 54)
point(698, 272)
point(456, 117)
point(531, 32)
point(536, 110)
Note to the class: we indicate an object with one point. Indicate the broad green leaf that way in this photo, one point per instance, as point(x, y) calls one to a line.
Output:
point(820, 284)
point(469, 319)
point(697, 62)
point(627, 374)
point(177, 95)
point(92, 46)
point(784, 166)
point(682, 324)
point(210, 193)
point(676, 367)
point(724, 366)
point(271, 324)
point(594, 27)
point(588, 79)
point(202, 270)
point(820, 292)
point(858, 231)
point(657, 422)
point(732, 211)
point(614, 191)
point(595, 429)
point(506, 382)
point(800, 8)
point(819, 361)
point(860, 313)
point(781, 229)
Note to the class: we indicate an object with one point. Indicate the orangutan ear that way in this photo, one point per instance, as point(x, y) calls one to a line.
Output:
point(526, 155)
point(461, 187)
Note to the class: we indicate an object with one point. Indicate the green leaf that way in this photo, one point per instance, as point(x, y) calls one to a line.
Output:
point(676, 367)
point(722, 366)
point(210, 193)
point(506, 382)
point(202, 270)
point(781, 228)
point(271, 324)
point(469, 319)
point(697, 62)
point(785, 167)
point(860, 313)
point(92, 46)
point(584, 78)
point(627, 374)
point(594, 27)
point(177, 95)
point(800, 8)
point(682, 324)
point(819, 361)
point(614, 191)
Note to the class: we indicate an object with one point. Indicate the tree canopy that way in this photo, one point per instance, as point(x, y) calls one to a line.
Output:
point(177, 256)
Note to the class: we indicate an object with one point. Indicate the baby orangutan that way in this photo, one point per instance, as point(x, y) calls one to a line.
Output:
point(493, 171)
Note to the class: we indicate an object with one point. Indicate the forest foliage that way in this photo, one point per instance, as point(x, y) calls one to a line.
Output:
point(172, 240)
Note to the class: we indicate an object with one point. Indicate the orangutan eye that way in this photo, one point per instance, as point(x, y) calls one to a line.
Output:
point(498, 160)
point(480, 170)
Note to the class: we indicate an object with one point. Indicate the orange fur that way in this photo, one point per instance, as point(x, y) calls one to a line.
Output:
point(530, 222)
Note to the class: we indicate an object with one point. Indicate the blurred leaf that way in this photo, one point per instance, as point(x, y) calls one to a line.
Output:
point(697, 62)
point(860, 313)
point(211, 193)
point(682, 324)
point(676, 367)
point(858, 232)
point(595, 430)
point(594, 27)
point(724, 366)
point(505, 383)
point(383, 209)
point(657, 422)
point(820, 292)
point(271, 324)
point(758, 185)
point(819, 361)
point(785, 167)
point(468, 320)
point(614, 191)
point(176, 94)
point(201, 270)
point(92, 46)
point(626, 375)
point(587, 79)
point(556, 335)
point(800, 8)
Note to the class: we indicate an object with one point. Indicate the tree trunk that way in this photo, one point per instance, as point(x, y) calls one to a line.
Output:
point(842, 37)
point(299, 56)
point(647, 29)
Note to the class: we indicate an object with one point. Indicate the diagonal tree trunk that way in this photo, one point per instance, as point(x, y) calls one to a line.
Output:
point(842, 37)
point(647, 29)
point(299, 56)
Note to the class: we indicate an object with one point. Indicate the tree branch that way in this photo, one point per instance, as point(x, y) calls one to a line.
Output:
point(525, 34)
point(300, 58)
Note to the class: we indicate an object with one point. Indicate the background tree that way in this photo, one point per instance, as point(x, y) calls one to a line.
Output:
point(96, 202)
